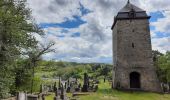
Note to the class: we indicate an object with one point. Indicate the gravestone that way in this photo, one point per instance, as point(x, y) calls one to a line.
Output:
point(79, 85)
point(54, 88)
point(68, 82)
point(56, 98)
point(32, 97)
point(95, 88)
point(41, 88)
point(22, 96)
point(56, 92)
point(65, 85)
point(165, 87)
point(77, 89)
point(86, 83)
point(169, 86)
point(51, 88)
point(68, 89)
point(62, 96)
point(59, 83)
point(43, 96)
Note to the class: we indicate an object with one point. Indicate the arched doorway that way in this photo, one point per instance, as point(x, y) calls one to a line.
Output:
point(134, 80)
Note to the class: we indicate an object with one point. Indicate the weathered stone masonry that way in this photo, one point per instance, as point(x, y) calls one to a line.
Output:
point(132, 56)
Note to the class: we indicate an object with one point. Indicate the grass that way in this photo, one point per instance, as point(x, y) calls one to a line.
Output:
point(50, 97)
point(106, 93)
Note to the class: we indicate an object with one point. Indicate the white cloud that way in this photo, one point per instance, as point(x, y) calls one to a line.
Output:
point(95, 40)
point(54, 11)
point(163, 24)
point(161, 44)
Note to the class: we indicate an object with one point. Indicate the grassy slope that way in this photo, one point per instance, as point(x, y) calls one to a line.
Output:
point(105, 93)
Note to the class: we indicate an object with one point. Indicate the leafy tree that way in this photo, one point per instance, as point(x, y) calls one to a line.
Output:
point(16, 36)
point(60, 64)
point(164, 67)
point(35, 56)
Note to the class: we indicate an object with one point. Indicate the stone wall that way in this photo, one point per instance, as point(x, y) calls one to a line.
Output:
point(132, 53)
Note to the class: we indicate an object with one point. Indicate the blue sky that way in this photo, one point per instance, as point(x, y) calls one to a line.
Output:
point(81, 28)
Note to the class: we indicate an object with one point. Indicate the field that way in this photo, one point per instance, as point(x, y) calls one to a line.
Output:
point(105, 93)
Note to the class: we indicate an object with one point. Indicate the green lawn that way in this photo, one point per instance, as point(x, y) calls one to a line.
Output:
point(105, 93)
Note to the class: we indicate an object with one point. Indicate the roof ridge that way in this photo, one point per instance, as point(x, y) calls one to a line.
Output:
point(129, 6)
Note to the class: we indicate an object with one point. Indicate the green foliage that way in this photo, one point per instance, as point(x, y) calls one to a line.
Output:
point(163, 64)
point(16, 33)
point(74, 70)
point(27, 85)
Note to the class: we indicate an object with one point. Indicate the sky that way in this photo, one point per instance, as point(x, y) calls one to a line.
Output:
point(81, 29)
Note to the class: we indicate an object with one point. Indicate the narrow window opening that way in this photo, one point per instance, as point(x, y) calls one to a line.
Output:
point(133, 46)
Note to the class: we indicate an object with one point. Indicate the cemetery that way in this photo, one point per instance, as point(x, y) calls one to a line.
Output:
point(85, 88)
point(60, 60)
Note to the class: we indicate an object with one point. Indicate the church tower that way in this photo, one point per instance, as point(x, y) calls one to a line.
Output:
point(132, 53)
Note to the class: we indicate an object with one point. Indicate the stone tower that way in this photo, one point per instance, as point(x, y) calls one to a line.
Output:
point(132, 54)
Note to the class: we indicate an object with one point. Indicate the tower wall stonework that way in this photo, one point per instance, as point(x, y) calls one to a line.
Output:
point(132, 53)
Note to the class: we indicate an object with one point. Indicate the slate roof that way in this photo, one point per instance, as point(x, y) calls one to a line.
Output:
point(130, 11)
point(128, 7)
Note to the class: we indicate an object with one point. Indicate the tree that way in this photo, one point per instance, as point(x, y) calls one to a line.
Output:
point(35, 54)
point(156, 54)
point(16, 36)
point(164, 67)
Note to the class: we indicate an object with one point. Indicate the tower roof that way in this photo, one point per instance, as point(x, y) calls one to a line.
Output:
point(130, 11)
point(128, 7)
